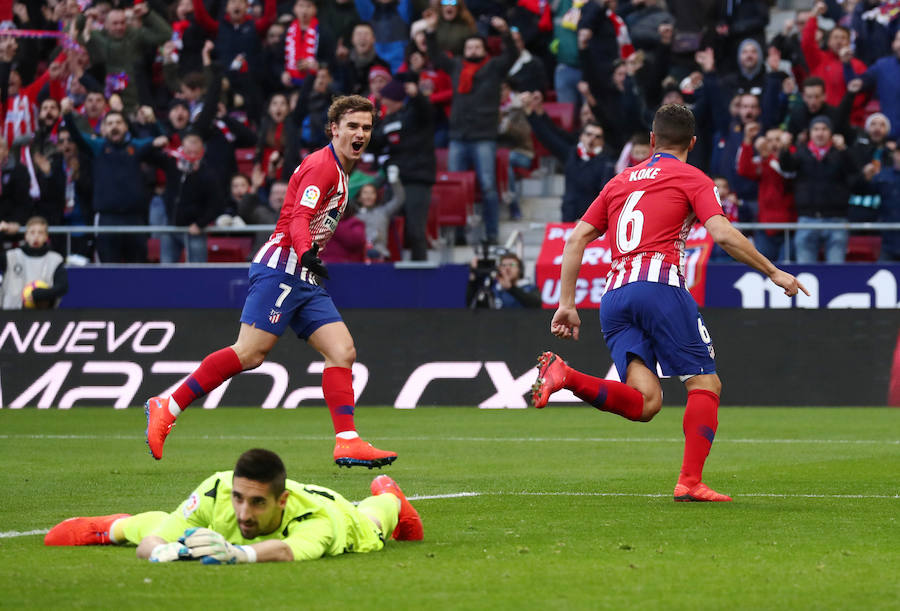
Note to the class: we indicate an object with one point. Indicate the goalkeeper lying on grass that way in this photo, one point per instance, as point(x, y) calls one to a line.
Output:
point(254, 514)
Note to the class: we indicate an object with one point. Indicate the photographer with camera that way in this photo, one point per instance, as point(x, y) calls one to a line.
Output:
point(499, 283)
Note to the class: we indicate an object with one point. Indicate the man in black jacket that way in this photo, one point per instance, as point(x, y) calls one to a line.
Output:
point(824, 172)
point(587, 167)
point(192, 197)
point(121, 196)
point(406, 134)
point(475, 111)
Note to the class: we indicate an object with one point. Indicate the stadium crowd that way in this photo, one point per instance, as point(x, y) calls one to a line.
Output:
point(119, 113)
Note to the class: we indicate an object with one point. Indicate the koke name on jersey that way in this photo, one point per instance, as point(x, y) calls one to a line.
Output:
point(644, 174)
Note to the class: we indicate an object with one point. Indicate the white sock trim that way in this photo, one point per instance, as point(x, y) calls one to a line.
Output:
point(347, 435)
point(173, 407)
point(112, 529)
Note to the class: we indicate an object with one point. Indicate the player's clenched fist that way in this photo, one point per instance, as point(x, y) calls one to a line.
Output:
point(170, 552)
point(311, 261)
point(565, 323)
point(212, 548)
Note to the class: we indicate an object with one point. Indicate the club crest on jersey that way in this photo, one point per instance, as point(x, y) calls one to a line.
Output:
point(310, 196)
point(191, 505)
point(331, 219)
point(274, 316)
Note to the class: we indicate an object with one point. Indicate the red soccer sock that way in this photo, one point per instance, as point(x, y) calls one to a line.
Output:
point(337, 386)
point(700, 424)
point(215, 369)
point(606, 395)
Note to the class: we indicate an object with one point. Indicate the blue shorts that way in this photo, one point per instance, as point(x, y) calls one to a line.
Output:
point(277, 299)
point(659, 324)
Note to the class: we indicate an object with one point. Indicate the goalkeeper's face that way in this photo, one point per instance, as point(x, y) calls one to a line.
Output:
point(257, 509)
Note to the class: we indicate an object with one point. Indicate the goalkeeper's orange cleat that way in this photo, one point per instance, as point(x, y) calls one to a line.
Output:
point(699, 493)
point(159, 422)
point(358, 453)
point(409, 524)
point(552, 372)
point(83, 531)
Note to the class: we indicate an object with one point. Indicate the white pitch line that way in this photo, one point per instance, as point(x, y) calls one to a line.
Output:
point(468, 439)
point(459, 495)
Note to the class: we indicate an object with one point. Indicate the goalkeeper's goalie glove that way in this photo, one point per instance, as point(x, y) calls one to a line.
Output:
point(169, 552)
point(212, 548)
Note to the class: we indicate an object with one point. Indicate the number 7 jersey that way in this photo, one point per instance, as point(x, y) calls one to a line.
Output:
point(648, 211)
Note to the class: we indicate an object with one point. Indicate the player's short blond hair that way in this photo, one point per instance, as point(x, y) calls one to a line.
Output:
point(346, 104)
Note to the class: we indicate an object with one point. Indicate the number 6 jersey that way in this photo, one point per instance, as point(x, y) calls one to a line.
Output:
point(648, 211)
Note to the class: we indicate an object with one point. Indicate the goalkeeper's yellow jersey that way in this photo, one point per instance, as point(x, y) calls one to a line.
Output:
point(316, 521)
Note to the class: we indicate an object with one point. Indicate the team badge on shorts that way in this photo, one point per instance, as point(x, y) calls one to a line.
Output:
point(274, 316)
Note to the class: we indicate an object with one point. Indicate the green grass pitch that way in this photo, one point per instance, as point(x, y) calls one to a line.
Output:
point(567, 508)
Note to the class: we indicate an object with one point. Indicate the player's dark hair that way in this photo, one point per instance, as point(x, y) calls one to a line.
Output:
point(346, 104)
point(673, 126)
point(262, 466)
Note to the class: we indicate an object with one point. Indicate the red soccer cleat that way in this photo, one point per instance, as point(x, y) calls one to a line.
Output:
point(358, 453)
point(409, 524)
point(700, 493)
point(83, 531)
point(552, 372)
point(159, 422)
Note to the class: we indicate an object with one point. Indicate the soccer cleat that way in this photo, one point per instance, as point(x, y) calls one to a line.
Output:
point(552, 372)
point(358, 453)
point(409, 524)
point(159, 422)
point(699, 493)
point(83, 531)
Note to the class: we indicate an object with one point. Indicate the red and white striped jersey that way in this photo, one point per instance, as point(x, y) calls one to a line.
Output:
point(316, 198)
point(648, 211)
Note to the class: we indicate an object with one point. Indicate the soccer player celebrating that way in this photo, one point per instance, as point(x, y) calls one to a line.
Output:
point(254, 514)
point(647, 314)
point(285, 292)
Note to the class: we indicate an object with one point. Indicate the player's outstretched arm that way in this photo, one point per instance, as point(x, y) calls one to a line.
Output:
point(739, 247)
point(566, 322)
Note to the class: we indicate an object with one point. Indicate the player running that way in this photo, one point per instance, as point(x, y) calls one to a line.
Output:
point(285, 292)
point(254, 514)
point(647, 314)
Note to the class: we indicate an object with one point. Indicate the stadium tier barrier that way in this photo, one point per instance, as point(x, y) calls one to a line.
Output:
point(419, 358)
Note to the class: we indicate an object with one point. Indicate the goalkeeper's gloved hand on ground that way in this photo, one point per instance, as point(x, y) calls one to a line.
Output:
point(170, 552)
point(311, 261)
point(212, 548)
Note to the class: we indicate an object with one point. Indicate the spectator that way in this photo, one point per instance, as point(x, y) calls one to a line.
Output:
point(884, 77)
point(258, 207)
point(272, 59)
point(501, 287)
point(887, 181)
point(751, 71)
point(824, 171)
point(739, 20)
point(528, 73)
point(240, 189)
point(454, 27)
point(873, 30)
point(339, 17)
point(192, 198)
point(120, 194)
point(870, 152)
point(377, 216)
point(301, 44)
point(725, 155)
point(20, 102)
point(44, 138)
point(515, 135)
point(89, 116)
point(644, 18)
point(814, 105)
point(311, 109)
point(475, 112)
point(79, 188)
point(828, 64)
point(406, 135)
point(237, 34)
point(730, 206)
point(787, 42)
point(390, 20)
point(567, 73)
point(187, 37)
point(32, 262)
point(433, 83)
point(352, 73)
point(278, 133)
point(633, 153)
point(587, 167)
point(758, 160)
point(120, 46)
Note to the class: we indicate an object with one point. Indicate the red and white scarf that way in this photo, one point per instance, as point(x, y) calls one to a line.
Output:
point(300, 43)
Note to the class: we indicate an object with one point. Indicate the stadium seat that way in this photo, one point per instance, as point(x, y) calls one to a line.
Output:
point(440, 156)
point(153, 250)
point(395, 237)
point(863, 248)
point(244, 158)
point(562, 113)
point(228, 249)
